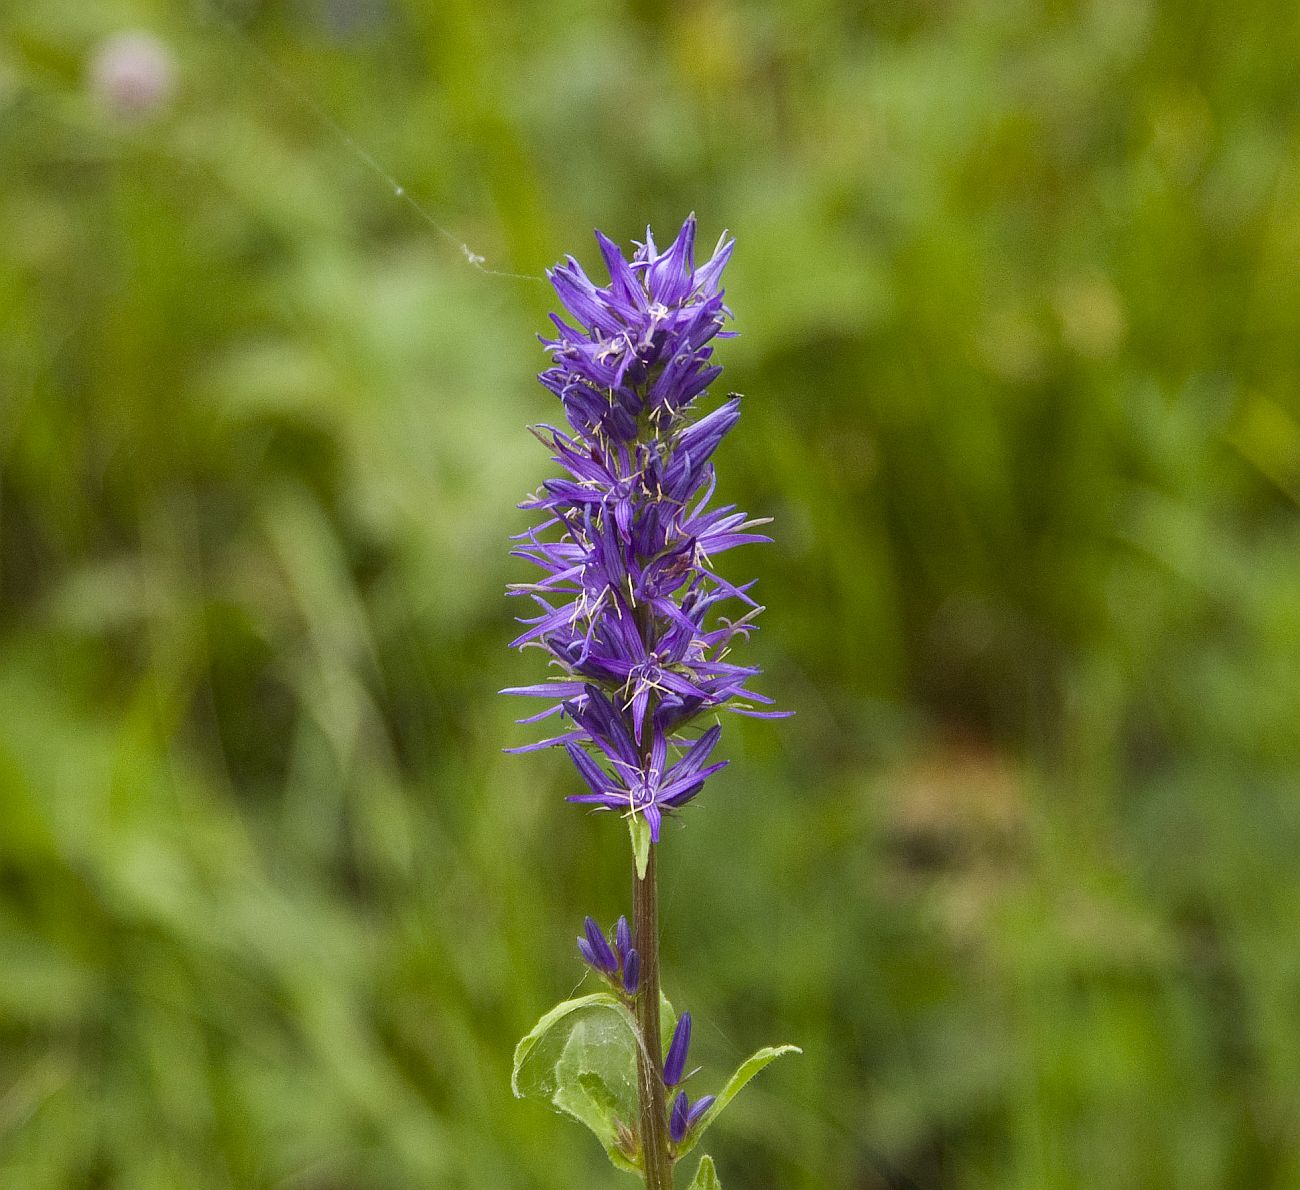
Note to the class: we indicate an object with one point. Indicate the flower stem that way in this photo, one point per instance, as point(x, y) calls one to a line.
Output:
point(650, 1073)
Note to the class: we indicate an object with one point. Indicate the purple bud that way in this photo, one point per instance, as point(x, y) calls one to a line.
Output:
point(597, 951)
point(631, 972)
point(623, 937)
point(698, 1109)
point(675, 1063)
point(685, 1115)
point(677, 1121)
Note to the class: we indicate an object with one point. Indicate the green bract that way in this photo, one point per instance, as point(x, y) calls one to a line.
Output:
point(640, 830)
point(706, 1177)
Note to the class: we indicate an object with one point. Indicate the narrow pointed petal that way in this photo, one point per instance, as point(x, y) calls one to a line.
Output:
point(708, 275)
point(588, 769)
point(697, 754)
point(655, 818)
point(547, 690)
point(606, 801)
point(565, 739)
point(678, 793)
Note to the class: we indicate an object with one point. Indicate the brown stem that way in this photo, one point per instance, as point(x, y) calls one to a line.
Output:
point(650, 1066)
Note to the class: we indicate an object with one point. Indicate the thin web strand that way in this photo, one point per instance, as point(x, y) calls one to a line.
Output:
point(299, 95)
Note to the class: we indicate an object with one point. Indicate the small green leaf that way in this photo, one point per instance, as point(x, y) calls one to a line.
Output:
point(747, 1069)
point(706, 1177)
point(640, 830)
point(581, 1058)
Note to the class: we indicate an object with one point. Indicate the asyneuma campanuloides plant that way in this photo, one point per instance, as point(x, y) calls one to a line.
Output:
point(630, 608)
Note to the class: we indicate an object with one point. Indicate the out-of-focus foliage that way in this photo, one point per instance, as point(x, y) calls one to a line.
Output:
point(1020, 310)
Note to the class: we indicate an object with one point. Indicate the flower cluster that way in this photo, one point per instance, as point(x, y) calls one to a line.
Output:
point(620, 963)
point(628, 603)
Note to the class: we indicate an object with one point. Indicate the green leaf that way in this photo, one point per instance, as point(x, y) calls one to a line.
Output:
point(747, 1069)
point(706, 1177)
point(581, 1058)
point(602, 1098)
point(640, 830)
point(537, 1055)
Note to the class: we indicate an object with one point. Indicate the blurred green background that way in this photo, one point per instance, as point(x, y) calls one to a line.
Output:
point(1019, 306)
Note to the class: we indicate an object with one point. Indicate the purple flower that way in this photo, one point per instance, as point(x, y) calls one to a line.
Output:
point(648, 787)
point(685, 1115)
point(629, 605)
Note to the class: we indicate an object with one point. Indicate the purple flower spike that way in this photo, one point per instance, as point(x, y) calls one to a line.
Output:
point(597, 950)
point(631, 972)
point(628, 603)
point(675, 1063)
point(639, 626)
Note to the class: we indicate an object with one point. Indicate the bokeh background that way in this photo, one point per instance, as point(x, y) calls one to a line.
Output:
point(1019, 306)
